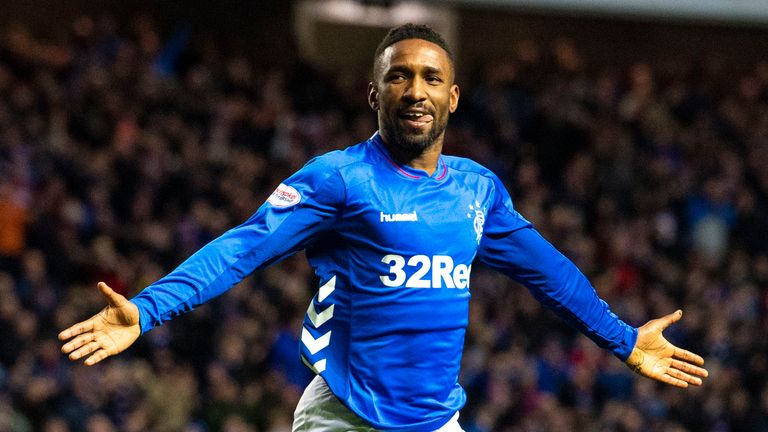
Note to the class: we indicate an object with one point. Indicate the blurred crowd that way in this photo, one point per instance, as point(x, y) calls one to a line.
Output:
point(123, 150)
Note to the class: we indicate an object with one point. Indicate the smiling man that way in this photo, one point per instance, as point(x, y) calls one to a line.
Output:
point(414, 93)
point(391, 227)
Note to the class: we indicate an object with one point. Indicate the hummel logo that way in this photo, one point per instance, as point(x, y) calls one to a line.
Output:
point(398, 217)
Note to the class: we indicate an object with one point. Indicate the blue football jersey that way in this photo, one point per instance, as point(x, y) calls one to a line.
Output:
point(393, 249)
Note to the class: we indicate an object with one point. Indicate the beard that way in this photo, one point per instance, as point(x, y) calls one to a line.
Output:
point(413, 144)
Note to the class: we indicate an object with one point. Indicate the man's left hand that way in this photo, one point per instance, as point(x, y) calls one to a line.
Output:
point(654, 357)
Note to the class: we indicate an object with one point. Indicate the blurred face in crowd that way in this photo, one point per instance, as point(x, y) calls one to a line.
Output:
point(414, 93)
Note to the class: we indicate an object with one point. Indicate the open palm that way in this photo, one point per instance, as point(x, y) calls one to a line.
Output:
point(105, 334)
point(654, 357)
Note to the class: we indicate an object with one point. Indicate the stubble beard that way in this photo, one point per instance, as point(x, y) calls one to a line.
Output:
point(413, 145)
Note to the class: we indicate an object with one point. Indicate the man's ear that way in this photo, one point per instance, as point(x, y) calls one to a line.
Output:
point(454, 100)
point(373, 96)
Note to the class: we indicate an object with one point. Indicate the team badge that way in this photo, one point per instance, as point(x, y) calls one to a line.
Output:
point(479, 213)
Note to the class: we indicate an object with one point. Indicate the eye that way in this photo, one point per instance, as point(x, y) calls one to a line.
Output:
point(396, 78)
point(433, 79)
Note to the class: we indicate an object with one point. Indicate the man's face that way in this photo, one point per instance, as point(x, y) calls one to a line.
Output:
point(414, 93)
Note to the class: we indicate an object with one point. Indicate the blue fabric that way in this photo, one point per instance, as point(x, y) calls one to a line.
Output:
point(520, 252)
point(393, 248)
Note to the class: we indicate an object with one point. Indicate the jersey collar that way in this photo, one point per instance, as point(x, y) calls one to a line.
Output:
point(405, 170)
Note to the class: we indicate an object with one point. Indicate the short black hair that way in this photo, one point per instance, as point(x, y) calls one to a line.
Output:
point(412, 31)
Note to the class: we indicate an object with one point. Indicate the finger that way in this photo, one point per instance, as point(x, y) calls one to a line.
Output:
point(113, 299)
point(96, 357)
point(79, 328)
point(673, 381)
point(689, 368)
point(688, 356)
point(682, 376)
point(670, 319)
point(84, 350)
point(77, 342)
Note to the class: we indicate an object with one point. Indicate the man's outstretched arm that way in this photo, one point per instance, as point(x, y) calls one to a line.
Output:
point(511, 245)
point(556, 282)
point(303, 206)
point(105, 334)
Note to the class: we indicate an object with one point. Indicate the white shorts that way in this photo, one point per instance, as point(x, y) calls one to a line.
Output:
point(320, 411)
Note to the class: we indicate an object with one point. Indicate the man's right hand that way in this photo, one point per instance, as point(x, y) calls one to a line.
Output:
point(105, 334)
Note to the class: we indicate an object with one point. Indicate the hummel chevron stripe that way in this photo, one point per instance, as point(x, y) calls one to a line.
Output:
point(321, 318)
point(312, 344)
point(327, 289)
point(318, 367)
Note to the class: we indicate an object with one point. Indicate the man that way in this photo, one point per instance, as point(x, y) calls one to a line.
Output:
point(391, 227)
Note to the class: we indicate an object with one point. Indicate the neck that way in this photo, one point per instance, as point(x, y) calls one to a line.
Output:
point(425, 160)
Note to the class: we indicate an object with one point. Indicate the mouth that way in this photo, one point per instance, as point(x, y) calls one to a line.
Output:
point(415, 119)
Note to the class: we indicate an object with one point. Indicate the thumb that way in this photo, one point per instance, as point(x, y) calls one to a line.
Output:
point(670, 319)
point(113, 299)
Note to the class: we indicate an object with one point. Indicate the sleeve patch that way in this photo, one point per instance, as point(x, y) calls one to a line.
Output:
point(284, 196)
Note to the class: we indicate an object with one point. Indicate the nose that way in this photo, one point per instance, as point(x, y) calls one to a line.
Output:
point(415, 90)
